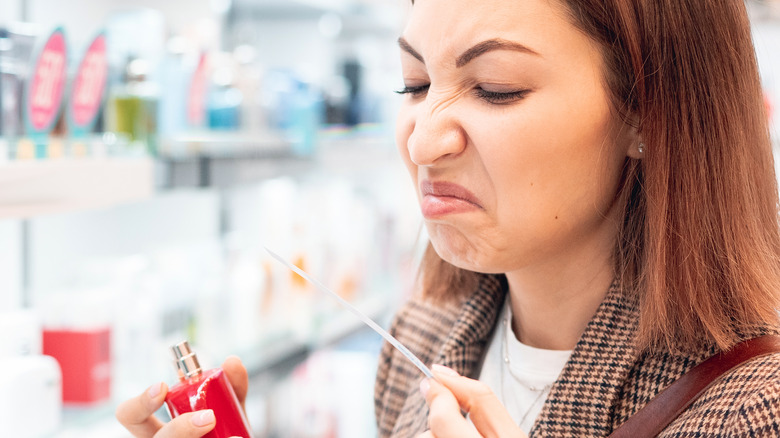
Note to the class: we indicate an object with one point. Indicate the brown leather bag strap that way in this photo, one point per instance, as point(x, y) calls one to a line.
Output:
point(652, 419)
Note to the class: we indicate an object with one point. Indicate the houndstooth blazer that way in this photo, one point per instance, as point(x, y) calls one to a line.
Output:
point(603, 384)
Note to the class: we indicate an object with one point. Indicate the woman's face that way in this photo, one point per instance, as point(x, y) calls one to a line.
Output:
point(507, 131)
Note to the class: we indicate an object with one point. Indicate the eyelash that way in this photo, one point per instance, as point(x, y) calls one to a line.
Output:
point(414, 91)
point(493, 97)
point(501, 98)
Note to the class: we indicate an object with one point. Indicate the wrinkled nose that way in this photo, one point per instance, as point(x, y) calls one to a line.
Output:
point(436, 136)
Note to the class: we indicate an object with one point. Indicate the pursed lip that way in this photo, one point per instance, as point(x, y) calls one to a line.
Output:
point(442, 197)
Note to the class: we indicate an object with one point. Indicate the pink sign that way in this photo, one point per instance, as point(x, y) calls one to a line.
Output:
point(89, 83)
point(47, 83)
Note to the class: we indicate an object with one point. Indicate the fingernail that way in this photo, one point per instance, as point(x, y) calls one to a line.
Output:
point(425, 386)
point(154, 390)
point(444, 370)
point(203, 418)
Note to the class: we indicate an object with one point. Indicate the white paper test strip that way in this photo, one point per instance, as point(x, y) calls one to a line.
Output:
point(368, 321)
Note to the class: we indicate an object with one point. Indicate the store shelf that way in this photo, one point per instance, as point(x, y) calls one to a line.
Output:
point(31, 188)
point(283, 352)
point(226, 145)
point(225, 159)
point(357, 16)
point(91, 422)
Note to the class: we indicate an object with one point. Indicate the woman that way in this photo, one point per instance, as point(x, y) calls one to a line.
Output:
point(597, 184)
point(606, 165)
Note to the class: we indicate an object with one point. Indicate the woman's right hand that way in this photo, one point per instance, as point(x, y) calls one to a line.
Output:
point(137, 413)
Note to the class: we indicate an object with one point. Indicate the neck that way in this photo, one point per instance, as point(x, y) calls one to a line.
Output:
point(552, 304)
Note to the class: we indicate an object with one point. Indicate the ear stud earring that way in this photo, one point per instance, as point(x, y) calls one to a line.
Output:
point(641, 148)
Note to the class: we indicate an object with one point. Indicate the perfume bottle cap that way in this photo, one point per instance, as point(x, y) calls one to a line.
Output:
point(185, 360)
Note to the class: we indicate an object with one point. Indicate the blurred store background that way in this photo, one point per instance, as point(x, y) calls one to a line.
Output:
point(149, 150)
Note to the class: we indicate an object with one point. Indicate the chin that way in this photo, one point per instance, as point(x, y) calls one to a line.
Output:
point(463, 254)
point(463, 258)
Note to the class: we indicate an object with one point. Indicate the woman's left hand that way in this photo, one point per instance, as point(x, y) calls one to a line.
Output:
point(450, 394)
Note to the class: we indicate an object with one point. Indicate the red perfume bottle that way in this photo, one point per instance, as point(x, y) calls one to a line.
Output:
point(198, 389)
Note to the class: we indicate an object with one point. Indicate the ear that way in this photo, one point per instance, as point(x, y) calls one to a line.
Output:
point(632, 139)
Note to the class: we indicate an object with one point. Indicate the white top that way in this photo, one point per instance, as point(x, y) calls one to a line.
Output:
point(520, 375)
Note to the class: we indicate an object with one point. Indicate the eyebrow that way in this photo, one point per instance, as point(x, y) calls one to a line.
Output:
point(475, 51)
point(406, 47)
point(490, 45)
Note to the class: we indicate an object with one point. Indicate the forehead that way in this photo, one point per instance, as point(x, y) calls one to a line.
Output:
point(446, 27)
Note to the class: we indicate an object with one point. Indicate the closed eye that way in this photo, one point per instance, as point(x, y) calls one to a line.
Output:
point(492, 97)
point(501, 98)
point(414, 91)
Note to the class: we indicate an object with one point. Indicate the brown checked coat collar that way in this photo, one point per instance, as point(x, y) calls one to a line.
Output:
point(603, 383)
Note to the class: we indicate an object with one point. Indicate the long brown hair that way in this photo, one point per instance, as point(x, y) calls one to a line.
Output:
point(700, 237)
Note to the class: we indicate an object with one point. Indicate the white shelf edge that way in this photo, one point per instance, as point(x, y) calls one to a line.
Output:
point(33, 188)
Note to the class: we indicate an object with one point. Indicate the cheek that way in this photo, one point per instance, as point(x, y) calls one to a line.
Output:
point(547, 184)
point(555, 144)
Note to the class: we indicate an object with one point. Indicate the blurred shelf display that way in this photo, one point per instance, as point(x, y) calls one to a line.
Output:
point(285, 351)
point(278, 356)
point(224, 127)
point(87, 422)
point(229, 159)
point(31, 188)
point(228, 145)
point(327, 395)
point(218, 287)
point(224, 159)
point(358, 22)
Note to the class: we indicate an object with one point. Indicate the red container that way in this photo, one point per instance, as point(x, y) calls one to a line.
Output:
point(198, 390)
point(85, 359)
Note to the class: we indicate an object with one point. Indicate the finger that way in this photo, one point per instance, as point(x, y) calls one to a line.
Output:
point(485, 410)
point(238, 378)
point(137, 414)
point(189, 425)
point(445, 418)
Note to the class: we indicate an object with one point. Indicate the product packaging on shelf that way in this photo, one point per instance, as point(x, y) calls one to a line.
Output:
point(84, 356)
point(297, 110)
point(176, 74)
point(132, 106)
point(30, 396)
point(30, 383)
point(21, 334)
point(86, 95)
point(16, 46)
point(33, 70)
point(328, 395)
point(197, 94)
point(224, 99)
point(249, 83)
point(43, 94)
point(246, 285)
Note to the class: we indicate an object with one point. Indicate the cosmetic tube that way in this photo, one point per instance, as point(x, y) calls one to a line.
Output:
point(198, 389)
